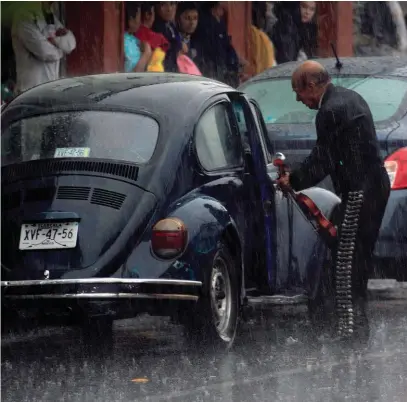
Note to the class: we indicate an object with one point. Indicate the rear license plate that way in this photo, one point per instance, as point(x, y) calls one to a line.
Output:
point(48, 236)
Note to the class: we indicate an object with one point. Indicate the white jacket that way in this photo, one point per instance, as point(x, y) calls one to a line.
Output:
point(38, 60)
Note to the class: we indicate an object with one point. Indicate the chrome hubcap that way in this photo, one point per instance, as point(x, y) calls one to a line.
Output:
point(221, 298)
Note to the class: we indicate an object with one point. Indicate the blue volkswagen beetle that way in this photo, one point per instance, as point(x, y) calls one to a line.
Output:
point(131, 193)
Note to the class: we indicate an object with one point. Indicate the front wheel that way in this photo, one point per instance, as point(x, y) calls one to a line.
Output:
point(215, 318)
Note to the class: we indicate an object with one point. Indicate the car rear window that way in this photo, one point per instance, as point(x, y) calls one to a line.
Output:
point(88, 134)
point(278, 103)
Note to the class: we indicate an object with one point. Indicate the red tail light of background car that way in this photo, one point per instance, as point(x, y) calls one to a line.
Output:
point(169, 238)
point(396, 166)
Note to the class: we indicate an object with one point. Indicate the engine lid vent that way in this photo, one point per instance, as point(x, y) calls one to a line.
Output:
point(73, 193)
point(44, 167)
point(107, 198)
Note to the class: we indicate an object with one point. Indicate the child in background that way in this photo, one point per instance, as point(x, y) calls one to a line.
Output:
point(137, 54)
point(145, 32)
point(165, 24)
point(158, 43)
point(187, 22)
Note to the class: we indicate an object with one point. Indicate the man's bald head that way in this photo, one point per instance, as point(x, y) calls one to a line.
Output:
point(309, 82)
point(310, 72)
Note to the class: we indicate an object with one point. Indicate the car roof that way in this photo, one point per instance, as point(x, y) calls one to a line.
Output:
point(133, 90)
point(382, 65)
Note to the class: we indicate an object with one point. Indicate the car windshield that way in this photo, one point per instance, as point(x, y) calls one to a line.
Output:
point(88, 134)
point(278, 103)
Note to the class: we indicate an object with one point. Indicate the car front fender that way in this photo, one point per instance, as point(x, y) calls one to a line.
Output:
point(301, 251)
point(325, 200)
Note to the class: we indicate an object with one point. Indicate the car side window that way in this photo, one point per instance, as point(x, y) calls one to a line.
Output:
point(265, 144)
point(218, 146)
point(241, 123)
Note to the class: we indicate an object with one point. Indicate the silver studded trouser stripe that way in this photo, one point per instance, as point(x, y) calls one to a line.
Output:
point(344, 262)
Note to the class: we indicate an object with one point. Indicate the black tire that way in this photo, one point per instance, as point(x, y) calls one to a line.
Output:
point(204, 323)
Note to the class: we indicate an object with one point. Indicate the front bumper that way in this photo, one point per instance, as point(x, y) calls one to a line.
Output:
point(101, 288)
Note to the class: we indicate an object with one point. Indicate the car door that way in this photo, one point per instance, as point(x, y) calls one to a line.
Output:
point(294, 239)
point(219, 154)
point(257, 157)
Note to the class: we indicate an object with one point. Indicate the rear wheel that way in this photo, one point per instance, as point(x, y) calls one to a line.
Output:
point(215, 318)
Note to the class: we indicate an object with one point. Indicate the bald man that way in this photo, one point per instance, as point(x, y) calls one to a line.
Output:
point(347, 149)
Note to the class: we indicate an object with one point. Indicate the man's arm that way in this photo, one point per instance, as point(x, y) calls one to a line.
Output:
point(315, 167)
point(66, 42)
point(35, 42)
point(350, 130)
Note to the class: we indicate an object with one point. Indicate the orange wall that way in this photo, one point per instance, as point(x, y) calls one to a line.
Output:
point(239, 16)
point(97, 27)
point(335, 24)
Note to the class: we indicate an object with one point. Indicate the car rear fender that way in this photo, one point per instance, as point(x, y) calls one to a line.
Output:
point(208, 223)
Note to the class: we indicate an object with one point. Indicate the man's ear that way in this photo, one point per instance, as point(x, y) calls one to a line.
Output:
point(311, 85)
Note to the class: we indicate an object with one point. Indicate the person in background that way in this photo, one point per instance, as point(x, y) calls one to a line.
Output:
point(187, 22)
point(165, 24)
point(308, 30)
point(220, 60)
point(145, 32)
point(261, 49)
point(285, 34)
point(40, 41)
point(137, 54)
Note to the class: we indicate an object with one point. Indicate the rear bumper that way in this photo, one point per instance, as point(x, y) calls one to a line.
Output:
point(69, 301)
point(102, 289)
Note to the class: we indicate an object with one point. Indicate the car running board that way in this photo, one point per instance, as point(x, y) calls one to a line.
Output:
point(261, 301)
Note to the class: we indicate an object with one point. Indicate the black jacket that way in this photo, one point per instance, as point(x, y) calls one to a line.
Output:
point(347, 147)
point(169, 30)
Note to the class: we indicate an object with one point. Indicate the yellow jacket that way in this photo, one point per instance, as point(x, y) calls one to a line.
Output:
point(261, 51)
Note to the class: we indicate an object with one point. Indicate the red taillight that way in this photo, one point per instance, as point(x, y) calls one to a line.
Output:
point(396, 166)
point(169, 238)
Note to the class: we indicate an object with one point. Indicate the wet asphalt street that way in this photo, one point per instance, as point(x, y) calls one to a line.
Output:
point(277, 357)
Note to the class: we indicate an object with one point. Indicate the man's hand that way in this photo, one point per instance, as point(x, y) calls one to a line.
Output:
point(61, 32)
point(51, 40)
point(184, 49)
point(284, 182)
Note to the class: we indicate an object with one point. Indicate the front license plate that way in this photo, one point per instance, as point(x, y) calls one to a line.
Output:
point(48, 236)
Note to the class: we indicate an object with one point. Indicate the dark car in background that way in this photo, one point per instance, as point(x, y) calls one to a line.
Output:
point(382, 81)
point(131, 193)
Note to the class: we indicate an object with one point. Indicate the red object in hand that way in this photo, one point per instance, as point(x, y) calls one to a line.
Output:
point(324, 226)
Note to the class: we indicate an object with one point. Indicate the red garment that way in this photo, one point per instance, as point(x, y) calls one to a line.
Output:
point(154, 39)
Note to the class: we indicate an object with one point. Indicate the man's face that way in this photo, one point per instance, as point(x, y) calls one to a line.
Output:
point(167, 10)
point(307, 9)
point(306, 95)
point(188, 21)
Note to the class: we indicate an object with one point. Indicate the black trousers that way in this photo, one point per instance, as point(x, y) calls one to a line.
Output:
point(369, 222)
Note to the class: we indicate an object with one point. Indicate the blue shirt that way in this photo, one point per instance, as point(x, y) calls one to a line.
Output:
point(132, 52)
